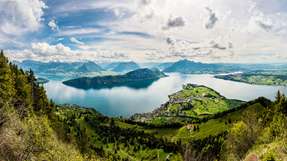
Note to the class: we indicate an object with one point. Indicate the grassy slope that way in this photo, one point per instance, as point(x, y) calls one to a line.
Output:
point(260, 79)
point(214, 126)
point(73, 133)
point(95, 128)
point(263, 137)
point(34, 128)
point(191, 102)
point(32, 137)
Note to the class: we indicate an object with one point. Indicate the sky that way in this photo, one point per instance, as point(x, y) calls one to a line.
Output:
point(249, 31)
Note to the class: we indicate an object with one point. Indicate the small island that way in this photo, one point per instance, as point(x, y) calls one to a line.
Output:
point(139, 78)
point(256, 78)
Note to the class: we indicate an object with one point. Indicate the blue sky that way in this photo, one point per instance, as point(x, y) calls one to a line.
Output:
point(145, 30)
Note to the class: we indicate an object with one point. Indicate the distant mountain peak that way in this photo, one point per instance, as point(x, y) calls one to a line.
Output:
point(90, 67)
point(187, 66)
point(126, 67)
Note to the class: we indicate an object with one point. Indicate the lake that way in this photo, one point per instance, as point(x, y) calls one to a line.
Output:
point(125, 101)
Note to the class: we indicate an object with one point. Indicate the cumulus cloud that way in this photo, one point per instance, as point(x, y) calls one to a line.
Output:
point(20, 16)
point(174, 22)
point(53, 25)
point(76, 41)
point(248, 28)
point(45, 49)
point(212, 19)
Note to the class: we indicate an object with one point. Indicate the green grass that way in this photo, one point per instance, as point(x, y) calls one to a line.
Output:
point(212, 127)
point(167, 133)
point(204, 101)
point(260, 79)
point(192, 102)
point(199, 91)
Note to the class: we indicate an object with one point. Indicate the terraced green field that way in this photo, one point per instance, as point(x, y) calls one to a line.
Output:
point(213, 127)
point(192, 102)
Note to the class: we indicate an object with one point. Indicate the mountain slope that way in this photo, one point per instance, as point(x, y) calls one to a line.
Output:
point(61, 70)
point(25, 131)
point(186, 66)
point(34, 128)
point(191, 67)
point(123, 67)
point(89, 67)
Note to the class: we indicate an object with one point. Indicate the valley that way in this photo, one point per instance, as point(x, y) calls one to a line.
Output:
point(204, 125)
point(143, 80)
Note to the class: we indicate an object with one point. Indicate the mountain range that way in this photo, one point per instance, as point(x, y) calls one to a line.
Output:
point(196, 124)
point(190, 67)
point(52, 67)
point(71, 70)
point(122, 67)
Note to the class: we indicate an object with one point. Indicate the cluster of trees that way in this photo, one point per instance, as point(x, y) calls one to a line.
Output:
point(265, 123)
point(93, 134)
point(31, 129)
point(20, 89)
point(148, 125)
point(38, 119)
point(205, 149)
point(25, 131)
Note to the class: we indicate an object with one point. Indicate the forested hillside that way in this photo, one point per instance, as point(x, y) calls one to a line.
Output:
point(34, 128)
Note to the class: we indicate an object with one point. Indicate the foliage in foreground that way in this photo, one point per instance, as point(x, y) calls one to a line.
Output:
point(34, 128)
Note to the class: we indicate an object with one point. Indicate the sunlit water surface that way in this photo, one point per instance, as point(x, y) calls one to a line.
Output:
point(125, 101)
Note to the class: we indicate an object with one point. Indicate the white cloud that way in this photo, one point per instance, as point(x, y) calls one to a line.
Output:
point(252, 27)
point(240, 30)
point(45, 49)
point(46, 52)
point(76, 41)
point(20, 16)
point(53, 25)
point(79, 31)
point(79, 5)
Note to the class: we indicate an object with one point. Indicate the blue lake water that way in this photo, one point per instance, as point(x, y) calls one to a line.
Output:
point(125, 101)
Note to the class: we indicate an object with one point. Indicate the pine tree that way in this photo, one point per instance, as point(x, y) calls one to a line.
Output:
point(39, 97)
point(23, 98)
point(278, 97)
point(6, 80)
